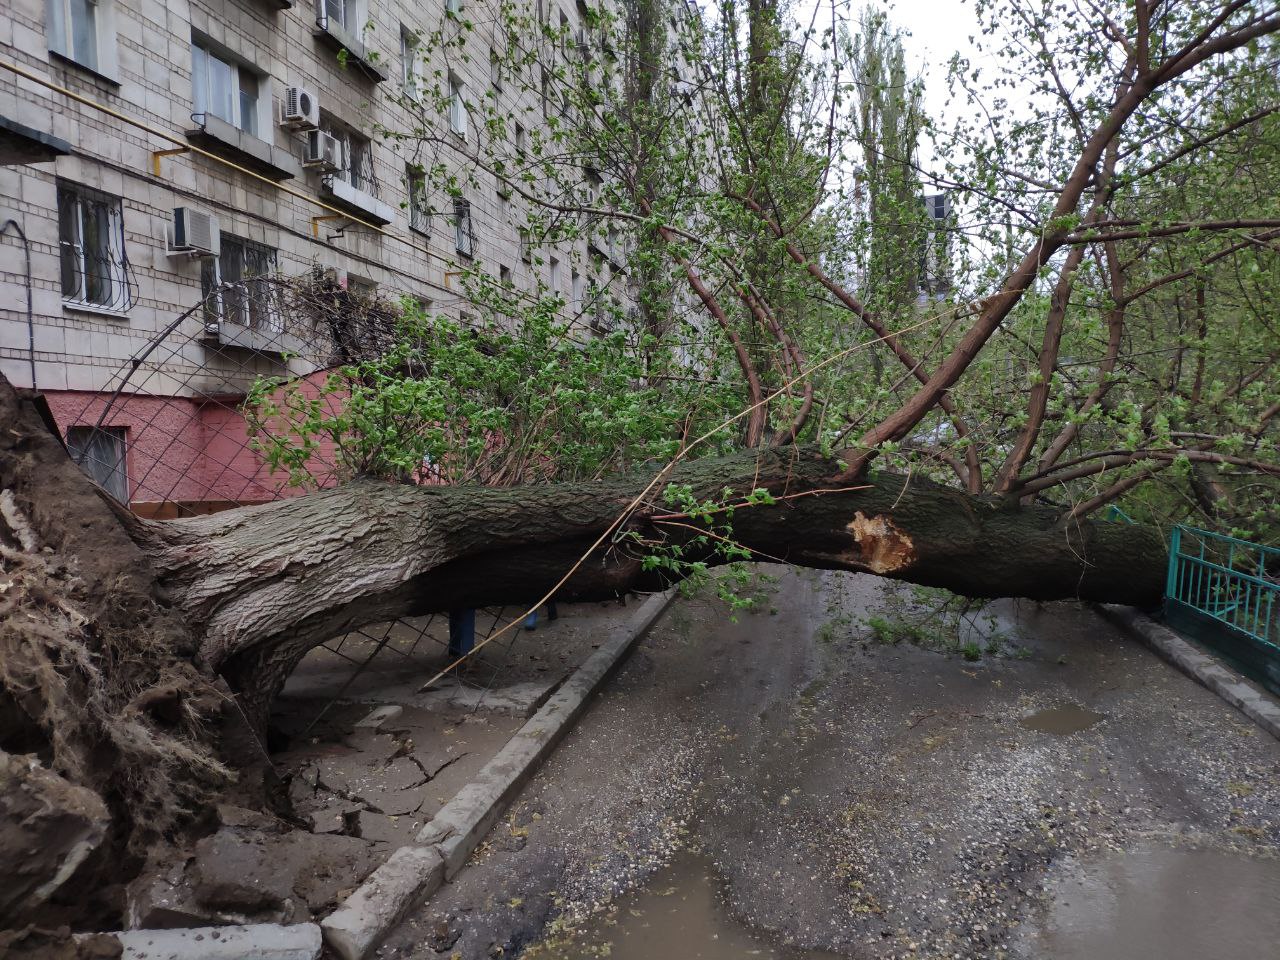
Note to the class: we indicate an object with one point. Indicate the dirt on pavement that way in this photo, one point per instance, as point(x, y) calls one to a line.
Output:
point(867, 799)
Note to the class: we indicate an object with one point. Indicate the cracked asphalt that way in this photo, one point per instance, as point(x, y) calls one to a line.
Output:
point(858, 798)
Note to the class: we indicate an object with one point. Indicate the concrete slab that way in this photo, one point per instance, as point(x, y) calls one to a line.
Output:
point(410, 875)
point(443, 845)
point(259, 941)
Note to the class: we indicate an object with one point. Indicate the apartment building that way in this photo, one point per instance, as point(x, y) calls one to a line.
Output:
point(157, 152)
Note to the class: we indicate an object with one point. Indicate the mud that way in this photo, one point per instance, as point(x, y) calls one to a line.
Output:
point(678, 912)
point(864, 799)
point(1175, 904)
point(1062, 721)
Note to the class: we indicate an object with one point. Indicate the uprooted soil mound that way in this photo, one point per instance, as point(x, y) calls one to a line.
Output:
point(96, 683)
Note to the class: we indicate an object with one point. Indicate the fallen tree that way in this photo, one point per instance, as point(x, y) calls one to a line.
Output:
point(246, 593)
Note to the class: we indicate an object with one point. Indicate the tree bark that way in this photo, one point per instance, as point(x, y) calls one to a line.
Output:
point(262, 585)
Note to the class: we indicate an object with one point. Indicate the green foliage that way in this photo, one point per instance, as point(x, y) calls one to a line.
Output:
point(449, 403)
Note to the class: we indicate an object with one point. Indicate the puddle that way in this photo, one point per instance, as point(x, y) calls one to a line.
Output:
point(1061, 721)
point(1163, 903)
point(677, 914)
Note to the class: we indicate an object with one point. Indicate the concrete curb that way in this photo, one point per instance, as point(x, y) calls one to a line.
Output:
point(414, 873)
point(258, 941)
point(1209, 672)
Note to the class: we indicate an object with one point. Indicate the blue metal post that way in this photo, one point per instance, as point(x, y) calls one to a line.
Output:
point(1171, 581)
point(462, 631)
point(531, 621)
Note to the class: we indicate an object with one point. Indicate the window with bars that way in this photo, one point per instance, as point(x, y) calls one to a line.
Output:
point(101, 453)
point(463, 238)
point(357, 156)
point(237, 288)
point(419, 209)
point(224, 87)
point(95, 271)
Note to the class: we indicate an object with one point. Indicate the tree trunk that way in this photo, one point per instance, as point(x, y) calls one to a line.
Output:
point(262, 585)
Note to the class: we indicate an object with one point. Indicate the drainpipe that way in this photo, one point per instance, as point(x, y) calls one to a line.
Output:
point(31, 324)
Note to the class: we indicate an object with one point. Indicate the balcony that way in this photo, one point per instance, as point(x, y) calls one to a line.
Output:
point(363, 204)
point(341, 39)
point(217, 136)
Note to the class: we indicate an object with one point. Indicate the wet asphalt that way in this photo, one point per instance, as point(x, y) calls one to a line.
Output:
point(860, 798)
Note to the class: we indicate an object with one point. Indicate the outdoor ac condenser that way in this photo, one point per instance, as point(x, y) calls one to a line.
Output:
point(301, 109)
point(324, 152)
point(194, 233)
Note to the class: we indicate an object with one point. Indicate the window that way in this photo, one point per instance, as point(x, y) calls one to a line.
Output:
point(357, 154)
point(419, 210)
point(504, 275)
point(495, 70)
point(223, 87)
point(340, 12)
point(575, 291)
point(457, 108)
point(519, 139)
point(409, 62)
point(365, 290)
point(100, 452)
point(504, 204)
point(453, 7)
point(75, 28)
point(554, 276)
point(95, 271)
point(462, 227)
point(526, 246)
point(236, 287)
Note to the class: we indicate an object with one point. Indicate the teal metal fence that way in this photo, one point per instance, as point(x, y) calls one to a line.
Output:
point(1231, 581)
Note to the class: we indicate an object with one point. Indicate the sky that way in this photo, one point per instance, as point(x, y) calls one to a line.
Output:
point(936, 30)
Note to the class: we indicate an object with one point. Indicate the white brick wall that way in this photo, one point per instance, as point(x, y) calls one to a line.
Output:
point(80, 350)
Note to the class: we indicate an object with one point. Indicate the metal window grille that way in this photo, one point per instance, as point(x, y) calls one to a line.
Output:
point(463, 239)
point(237, 285)
point(95, 270)
point(100, 452)
point(419, 209)
point(357, 158)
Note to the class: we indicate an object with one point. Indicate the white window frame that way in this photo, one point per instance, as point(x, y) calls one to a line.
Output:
point(464, 241)
point(99, 54)
point(109, 266)
point(85, 443)
point(257, 309)
point(363, 180)
point(203, 55)
point(419, 209)
point(342, 12)
point(495, 70)
point(457, 106)
point(409, 42)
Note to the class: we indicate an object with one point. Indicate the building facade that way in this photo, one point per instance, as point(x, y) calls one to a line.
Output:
point(159, 152)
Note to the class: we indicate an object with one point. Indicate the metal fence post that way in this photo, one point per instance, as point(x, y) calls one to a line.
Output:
point(462, 631)
point(1171, 580)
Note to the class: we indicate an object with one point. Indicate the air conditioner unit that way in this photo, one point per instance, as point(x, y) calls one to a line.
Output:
point(324, 152)
point(194, 233)
point(301, 109)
